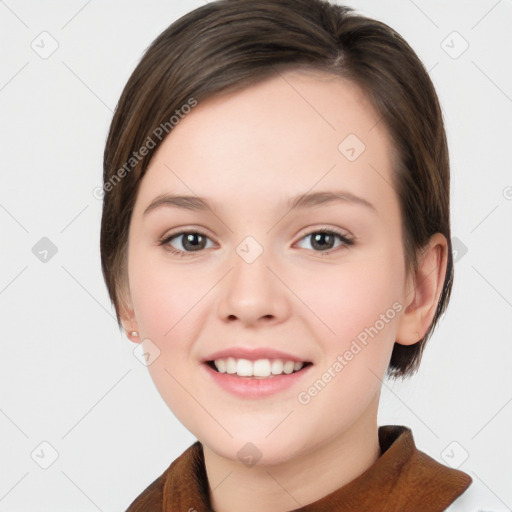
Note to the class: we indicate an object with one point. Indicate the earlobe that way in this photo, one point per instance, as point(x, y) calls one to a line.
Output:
point(132, 332)
point(423, 291)
point(133, 336)
point(129, 322)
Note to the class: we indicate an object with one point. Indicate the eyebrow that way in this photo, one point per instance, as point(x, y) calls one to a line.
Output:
point(307, 200)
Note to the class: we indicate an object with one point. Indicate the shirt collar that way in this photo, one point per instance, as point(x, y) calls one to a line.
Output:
point(403, 478)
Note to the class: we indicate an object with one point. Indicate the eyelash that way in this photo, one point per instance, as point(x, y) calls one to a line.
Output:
point(346, 241)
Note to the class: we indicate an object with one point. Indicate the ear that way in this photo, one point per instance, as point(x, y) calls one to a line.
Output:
point(128, 319)
point(423, 290)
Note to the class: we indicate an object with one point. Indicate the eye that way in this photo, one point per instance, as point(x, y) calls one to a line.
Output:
point(186, 242)
point(324, 240)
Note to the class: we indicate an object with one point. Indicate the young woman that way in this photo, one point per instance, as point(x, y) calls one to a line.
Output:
point(276, 234)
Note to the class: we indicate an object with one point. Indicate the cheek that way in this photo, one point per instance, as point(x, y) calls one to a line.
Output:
point(361, 305)
point(163, 298)
point(163, 293)
point(167, 300)
point(344, 300)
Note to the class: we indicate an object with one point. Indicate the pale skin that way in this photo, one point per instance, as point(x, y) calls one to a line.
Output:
point(248, 153)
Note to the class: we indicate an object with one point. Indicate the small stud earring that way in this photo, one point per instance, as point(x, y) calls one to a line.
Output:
point(134, 333)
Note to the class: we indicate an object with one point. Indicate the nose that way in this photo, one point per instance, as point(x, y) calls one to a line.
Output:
point(252, 294)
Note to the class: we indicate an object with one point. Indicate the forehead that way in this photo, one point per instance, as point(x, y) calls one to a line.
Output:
point(288, 134)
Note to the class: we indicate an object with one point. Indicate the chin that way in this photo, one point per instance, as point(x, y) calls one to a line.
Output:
point(255, 448)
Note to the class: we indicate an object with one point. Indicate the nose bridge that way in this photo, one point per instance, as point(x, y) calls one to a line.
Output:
point(251, 292)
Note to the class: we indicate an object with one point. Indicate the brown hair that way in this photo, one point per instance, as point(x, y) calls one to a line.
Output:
point(230, 44)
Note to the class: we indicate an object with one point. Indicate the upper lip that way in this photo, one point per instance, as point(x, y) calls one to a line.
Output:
point(253, 354)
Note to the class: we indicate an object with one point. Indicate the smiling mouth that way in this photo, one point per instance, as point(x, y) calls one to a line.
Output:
point(260, 369)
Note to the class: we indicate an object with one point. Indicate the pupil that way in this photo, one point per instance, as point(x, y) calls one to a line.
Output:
point(323, 240)
point(191, 239)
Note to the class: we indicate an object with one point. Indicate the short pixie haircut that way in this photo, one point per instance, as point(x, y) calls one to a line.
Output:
point(228, 45)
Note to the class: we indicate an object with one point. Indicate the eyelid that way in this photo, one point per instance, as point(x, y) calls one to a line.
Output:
point(183, 230)
point(343, 233)
point(326, 227)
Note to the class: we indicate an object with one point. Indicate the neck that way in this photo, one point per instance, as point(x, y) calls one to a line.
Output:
point(295, 482)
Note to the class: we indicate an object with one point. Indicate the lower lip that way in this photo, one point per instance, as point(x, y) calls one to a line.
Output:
point(251, 387)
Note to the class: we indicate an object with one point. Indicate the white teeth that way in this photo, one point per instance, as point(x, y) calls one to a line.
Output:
point(288, 367)
point(230, 365)
point(277, 367)
point(258, 368)
point(261, 368)
point(244, 368)
point(221, 366)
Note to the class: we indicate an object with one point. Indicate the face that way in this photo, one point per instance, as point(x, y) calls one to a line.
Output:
point(250, 267)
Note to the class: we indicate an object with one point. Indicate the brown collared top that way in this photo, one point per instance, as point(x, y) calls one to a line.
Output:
point(402, 479)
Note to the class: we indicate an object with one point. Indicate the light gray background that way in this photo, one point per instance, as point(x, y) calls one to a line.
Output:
point(70, 379)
